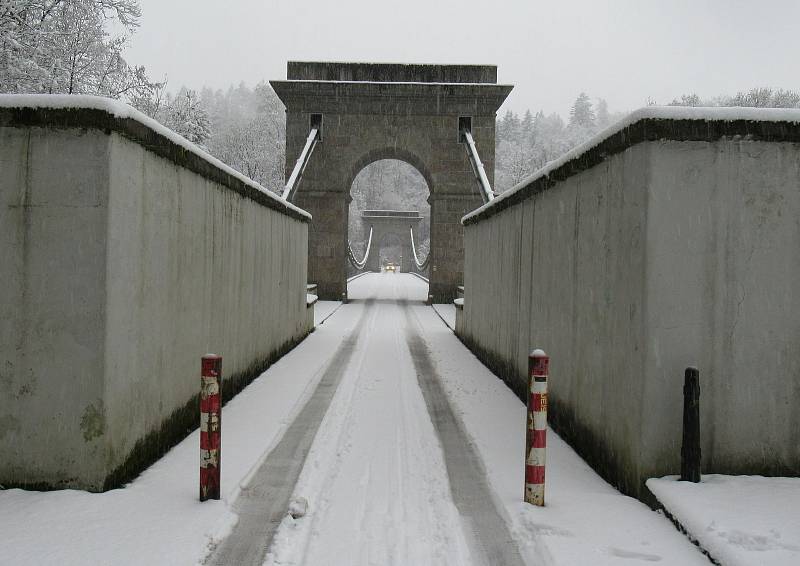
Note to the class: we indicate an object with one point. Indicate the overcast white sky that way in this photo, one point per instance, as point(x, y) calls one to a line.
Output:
point(624, 51)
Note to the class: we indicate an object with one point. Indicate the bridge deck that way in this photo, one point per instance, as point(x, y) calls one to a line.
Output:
point(390, 472)
point(406, 448)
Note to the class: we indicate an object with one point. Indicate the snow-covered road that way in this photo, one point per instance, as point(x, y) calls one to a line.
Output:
point(406, 448)
point(391, 479)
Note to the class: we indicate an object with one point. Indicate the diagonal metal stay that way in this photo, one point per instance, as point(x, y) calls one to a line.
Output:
point(477, 167)
point(300, 166)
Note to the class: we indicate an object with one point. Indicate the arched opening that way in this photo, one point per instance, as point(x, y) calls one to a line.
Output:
point(389, 250)
point(385, 195)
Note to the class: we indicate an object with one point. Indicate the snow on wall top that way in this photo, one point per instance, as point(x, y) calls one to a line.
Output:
point(123, 111)
point(649, 113)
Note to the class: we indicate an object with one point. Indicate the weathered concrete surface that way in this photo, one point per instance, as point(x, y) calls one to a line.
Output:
point(120, 269)
point(390, 72)
point(400, 112)
point(631, 263)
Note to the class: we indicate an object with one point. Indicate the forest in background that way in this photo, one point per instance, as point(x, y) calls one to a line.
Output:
point(68, 47)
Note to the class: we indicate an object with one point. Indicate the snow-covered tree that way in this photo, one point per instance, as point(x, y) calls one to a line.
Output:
point(765, 98)
point(508, 127)
point(687, 100)
point(185, 115)
point(64, 46)
point(526, 126)
point(540, 138)
point(582, 114)
point(248, 132)
point(603, 118)
point(786, 99)
point(762, 97)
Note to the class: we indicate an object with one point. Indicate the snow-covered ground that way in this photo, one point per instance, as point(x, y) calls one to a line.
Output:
point(375, 478)
point(739, 520)
point(447, 313)
point(323, 310)
point(157, 519)
point(377, 487)
point(586, 521)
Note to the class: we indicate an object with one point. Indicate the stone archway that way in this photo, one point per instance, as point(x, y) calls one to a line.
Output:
point(375, 111)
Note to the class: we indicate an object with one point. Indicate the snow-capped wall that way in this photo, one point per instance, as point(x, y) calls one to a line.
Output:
point(127, 253)
point(670, 240)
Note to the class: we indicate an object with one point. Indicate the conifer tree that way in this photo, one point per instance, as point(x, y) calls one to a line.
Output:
point(603, 117)
point(582, 113)
point(526, 126)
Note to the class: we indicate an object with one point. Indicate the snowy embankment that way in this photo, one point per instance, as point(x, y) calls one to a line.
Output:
point(585, 521)
point(157, 519)
point(739, 520)
point(324, 309)
point(447, 313)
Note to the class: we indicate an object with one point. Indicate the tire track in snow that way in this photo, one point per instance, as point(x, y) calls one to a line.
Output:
point(492, 540)
point(375, 479)
point(263, 502)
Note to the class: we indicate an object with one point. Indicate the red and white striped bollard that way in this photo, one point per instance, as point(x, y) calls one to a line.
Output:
point(536, 436)
point(210, 426)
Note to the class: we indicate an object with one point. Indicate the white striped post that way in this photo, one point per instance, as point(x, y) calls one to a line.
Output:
point(210, 426)
point(536, 436)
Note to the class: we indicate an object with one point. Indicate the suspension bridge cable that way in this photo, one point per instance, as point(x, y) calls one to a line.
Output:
point(421, 265)
point(352, 256)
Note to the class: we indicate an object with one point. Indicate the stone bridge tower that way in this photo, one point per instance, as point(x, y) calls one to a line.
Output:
point(395, 223)
point(370, 112)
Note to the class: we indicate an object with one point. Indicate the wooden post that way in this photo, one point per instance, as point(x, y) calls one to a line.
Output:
point(690, 447)
point(210, 426)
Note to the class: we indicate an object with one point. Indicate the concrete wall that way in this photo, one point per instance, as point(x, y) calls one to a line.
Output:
point(633, 261)
point(122, 265)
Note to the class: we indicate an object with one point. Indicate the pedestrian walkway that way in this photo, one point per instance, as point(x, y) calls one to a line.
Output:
point(392, 479)
point(737, 520)
point(405, 447)
point(264, 499)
